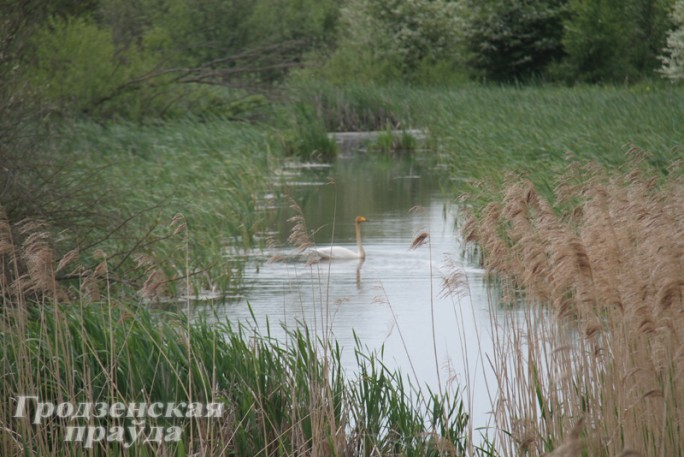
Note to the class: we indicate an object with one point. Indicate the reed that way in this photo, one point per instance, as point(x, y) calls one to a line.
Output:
point(213, 173)
point(352, 107)
point(482, 133)
point(593, 362)
point(287, 397)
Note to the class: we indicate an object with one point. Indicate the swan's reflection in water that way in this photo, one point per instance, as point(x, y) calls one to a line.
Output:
point(391, 299)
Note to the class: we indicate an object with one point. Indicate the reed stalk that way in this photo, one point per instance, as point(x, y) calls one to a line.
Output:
point(593, 360)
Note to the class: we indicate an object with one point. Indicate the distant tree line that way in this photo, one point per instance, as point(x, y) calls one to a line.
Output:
point(134, 58)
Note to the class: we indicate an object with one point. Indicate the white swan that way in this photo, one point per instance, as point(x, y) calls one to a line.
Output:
point(338, 252)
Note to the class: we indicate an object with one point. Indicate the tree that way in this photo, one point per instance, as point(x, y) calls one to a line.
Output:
point(614, 40)
point(673, 60)
point(514, 39)
point(139, 58)
point(388, 39)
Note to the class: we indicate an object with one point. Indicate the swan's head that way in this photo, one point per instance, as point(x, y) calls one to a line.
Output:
point(360, 219)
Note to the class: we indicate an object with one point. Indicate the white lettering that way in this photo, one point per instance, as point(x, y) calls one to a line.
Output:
point(152, 410)
point(173, 434)
point(136, 410)
point(21, 405)
point(44, 409)
point(214, 410)
point(79, 435)
point(117, 409)
point(94, 435)
point(84, 410)
point(101, 410)
point(65, 409)
point(173, 411)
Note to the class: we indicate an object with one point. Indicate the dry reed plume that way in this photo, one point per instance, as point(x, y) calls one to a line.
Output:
point(32, 271)
point(604, 372)
point(27, 262)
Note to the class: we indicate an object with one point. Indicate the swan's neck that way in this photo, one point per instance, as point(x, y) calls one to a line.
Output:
point(362, 253)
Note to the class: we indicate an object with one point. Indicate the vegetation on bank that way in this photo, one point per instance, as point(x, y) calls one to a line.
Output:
point(598, 274)
point(277, 397)
point(137, 140)
point(214, 173)
point(142, 59)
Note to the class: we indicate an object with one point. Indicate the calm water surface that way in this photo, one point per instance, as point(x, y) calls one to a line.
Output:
point(395, 297)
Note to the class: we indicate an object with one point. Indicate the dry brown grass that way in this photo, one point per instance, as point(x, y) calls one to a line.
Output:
point(603, 372)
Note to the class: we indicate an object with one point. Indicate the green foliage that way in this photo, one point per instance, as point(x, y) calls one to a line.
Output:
point(385, 409)
point(484, 132)
point(388, 39)
point(140, 58)
point(514, 39)
point(312, 23)
point(673, 60)
point(653, 22)
point(77, 67)
point(611, 40)
point(74, 62)
point(306, 137)
point(393, 143)
point(276, 33)
point(597, 41)
point(352, 107)
point(287, 397)
point(210, 172)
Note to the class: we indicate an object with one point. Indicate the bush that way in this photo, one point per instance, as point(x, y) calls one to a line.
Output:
point(513, 40)
point(391, 39)
point(306, 137)
point(614, 40)
point(77, 68)
point(673, 60)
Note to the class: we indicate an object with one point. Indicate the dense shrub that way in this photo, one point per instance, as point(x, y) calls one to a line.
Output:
point(611, 40)
point(673, 60)
point(514, 39)
point(390, 39)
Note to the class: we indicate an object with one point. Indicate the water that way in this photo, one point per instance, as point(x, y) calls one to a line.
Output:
point(395, 297)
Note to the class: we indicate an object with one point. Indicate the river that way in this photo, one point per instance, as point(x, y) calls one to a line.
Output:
point(395, 298)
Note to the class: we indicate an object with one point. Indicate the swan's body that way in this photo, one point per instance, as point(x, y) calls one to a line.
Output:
point(338, 252)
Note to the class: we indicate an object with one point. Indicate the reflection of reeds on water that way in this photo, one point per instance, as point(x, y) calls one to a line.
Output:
point(88, 342)
point(608, 260)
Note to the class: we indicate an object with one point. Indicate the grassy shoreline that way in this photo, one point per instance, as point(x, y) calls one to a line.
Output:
point(599, 279)
point(186, 192)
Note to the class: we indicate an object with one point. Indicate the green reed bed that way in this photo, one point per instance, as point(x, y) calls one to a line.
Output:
point(287, 398)
point(353, 107)
point(211, 173)
point(481, 133)
point(174, 198)
point(316, 107)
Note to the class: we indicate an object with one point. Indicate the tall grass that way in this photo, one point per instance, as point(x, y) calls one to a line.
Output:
point(483, 132)
point(288, 397)
point(594, 362)
point(314, 108)
point(602, 250)
point(213, 173)
point(480, 131)
point(352, 107)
